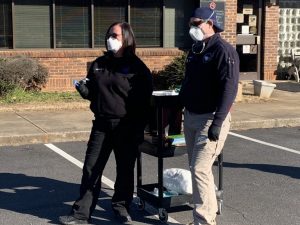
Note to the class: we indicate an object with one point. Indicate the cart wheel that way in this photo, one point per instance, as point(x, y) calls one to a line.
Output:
point(163, 215)
point(220, 207)
point(141, 204)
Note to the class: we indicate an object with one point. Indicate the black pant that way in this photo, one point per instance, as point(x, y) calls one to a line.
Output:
point(107, 135)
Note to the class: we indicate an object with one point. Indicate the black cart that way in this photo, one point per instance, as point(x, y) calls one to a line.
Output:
point(166, 113)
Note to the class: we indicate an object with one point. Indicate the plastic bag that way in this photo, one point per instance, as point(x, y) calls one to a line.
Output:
point(178, 180)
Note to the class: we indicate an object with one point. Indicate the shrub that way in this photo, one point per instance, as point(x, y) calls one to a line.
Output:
point(21, 72)
point(172, 75)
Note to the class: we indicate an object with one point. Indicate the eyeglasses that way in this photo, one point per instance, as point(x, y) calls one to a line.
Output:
point(196, 23)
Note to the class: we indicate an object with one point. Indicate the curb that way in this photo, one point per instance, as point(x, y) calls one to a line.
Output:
point(44, 138)
point(268, 123)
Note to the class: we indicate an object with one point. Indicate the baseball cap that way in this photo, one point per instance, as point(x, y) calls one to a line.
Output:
point(206, 13)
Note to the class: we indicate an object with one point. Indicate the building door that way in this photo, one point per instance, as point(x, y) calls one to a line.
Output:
point(249, 20)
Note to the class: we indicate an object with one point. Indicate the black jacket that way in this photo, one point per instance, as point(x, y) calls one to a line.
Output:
point(211, 79)
point(119, 88)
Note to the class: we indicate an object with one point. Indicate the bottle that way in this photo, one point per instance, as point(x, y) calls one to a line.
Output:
point(78, 83)
point(167, 193)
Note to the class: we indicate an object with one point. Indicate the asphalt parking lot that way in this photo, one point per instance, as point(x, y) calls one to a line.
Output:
point(39, 182)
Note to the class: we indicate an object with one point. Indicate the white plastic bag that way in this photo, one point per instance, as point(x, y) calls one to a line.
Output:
point(178, 180)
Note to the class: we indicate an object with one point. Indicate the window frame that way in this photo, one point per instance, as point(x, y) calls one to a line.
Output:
point(7, 27)
point(91, 23)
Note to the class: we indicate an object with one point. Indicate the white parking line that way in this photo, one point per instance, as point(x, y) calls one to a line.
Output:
point(70, 158)
point(105, 180)
point(265, 143)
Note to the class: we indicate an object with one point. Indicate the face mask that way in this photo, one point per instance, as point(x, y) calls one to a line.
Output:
point(196, 33)
point(113, 44)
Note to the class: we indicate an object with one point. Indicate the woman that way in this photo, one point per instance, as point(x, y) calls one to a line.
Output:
point(119, 87)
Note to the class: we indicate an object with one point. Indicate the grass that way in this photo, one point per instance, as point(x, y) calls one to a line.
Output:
point(20, 96)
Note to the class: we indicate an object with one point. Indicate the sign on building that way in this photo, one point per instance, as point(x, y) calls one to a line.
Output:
point(218, 7)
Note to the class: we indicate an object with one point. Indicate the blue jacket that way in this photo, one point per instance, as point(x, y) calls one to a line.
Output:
point(211, 79)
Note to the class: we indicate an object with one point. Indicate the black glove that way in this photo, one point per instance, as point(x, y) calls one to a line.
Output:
point(214, 132)
point(82, 89)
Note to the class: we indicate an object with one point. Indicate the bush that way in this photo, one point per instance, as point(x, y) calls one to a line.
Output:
point(172, 75)
point(21, 72)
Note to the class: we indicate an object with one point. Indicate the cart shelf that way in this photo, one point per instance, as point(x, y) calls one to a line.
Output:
point(145, 192)
point(167, 115)
point(150, 147)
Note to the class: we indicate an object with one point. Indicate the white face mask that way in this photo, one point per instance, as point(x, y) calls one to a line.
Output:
point(113, 44)
point(196, 33)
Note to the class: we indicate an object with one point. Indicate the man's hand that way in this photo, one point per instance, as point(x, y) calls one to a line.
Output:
point(214, 132)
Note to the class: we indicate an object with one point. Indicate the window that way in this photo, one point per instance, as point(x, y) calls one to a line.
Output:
point(72, 24)
point(176, 18)
point(289, 27)
point(146, 22)
point(247, 31)
point(107, 12)
point(32, 24)
point(5, 24)
point(76, 23)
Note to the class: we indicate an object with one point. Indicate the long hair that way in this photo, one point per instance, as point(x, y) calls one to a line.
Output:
point(129, 43)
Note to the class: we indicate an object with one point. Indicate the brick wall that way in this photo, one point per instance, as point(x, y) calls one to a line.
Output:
point(270, 42)
point(230, 21)
point(66, 65)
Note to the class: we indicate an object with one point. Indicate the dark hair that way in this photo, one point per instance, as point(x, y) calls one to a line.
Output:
point(129, 43)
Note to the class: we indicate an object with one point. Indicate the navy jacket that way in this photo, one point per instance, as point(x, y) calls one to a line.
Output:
point(211, 79)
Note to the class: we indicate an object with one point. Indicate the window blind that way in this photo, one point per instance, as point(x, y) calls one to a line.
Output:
point(146, 21)
point(72, 24)
point(107, 12)
point(32, 24)
point(5, 24)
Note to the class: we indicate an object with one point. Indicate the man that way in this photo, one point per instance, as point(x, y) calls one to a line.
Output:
point(207, 93)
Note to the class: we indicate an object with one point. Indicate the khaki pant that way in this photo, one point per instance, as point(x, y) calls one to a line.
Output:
point(201, 154)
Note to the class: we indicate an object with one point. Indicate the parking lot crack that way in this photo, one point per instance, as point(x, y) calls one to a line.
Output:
point(32, 123)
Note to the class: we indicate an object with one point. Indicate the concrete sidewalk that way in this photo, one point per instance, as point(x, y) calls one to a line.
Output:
point(20, 127)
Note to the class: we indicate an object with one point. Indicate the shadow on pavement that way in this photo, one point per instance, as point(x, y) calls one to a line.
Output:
point(48, 199)
point(290, 171)
point(288, 86)
point(37, 196)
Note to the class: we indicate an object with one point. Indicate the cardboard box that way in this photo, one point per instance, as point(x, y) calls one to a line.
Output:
point(245, 29)
point(240, 18)
point(252, 20)
point(246, 49)
point(247, 9)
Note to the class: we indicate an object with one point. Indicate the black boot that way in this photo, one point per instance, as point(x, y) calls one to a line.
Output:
point(69, 220)
point(121, 213)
